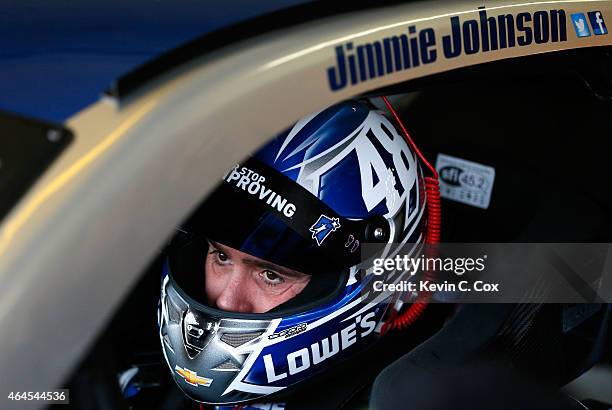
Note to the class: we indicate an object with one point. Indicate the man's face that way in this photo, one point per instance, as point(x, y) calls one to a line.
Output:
point(239, 282)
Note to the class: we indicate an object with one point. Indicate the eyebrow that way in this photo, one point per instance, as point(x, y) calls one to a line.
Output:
point(263, 264)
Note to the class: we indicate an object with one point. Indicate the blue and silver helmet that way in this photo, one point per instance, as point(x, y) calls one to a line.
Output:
point(308, 201)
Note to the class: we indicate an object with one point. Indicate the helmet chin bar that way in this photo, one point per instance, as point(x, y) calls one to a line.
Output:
point(205, 353)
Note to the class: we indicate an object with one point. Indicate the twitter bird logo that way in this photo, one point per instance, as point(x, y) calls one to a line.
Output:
point(580, 25)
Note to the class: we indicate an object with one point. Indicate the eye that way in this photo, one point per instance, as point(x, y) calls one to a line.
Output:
point(271, 278)
point(220, 257)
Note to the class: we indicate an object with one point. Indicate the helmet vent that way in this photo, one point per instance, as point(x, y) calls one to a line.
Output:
point(227, 365)
point(192, 352)
point(174, 312)
point(238, 339)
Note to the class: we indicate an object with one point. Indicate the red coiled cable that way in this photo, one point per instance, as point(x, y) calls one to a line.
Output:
point(434, 220)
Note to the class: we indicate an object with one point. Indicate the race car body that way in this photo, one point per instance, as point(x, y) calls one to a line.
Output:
point(155, 106)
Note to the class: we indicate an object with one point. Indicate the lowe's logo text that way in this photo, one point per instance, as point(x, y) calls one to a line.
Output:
point(320, 351)
point(356, 63)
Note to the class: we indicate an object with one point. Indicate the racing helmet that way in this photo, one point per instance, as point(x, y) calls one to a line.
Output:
point(308, 201)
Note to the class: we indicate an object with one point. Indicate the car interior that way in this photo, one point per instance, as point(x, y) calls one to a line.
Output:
point(544, 123)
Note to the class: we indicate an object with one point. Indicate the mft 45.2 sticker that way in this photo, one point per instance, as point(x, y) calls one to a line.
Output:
point(465, 181)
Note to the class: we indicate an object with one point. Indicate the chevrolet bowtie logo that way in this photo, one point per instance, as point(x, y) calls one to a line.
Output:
point(192, 377)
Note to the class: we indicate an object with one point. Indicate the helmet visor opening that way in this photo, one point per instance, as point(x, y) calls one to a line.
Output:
point(187, 266)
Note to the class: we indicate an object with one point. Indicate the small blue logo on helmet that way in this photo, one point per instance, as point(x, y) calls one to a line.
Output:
point(323, 227)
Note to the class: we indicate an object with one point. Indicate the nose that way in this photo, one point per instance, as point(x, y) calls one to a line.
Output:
point(235, 297)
